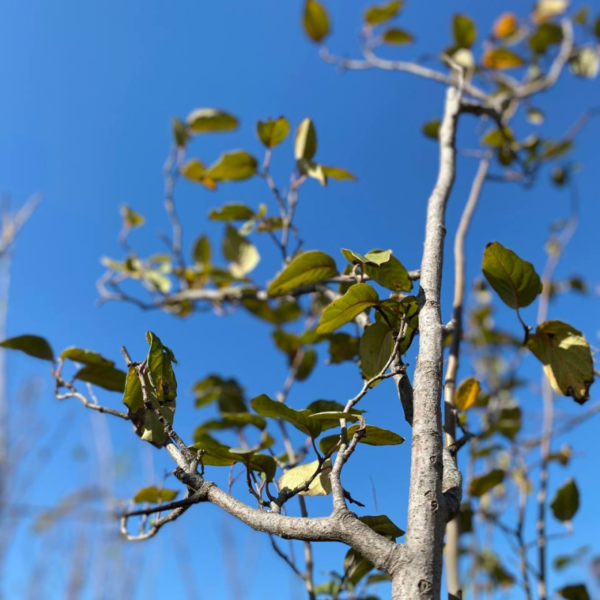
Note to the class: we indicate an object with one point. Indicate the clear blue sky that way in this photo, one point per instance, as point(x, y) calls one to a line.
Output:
point(89, 91)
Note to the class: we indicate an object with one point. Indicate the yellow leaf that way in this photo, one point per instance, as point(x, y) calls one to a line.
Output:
point(467, 393)
point(548, 9)
point(506, 25)
point(501, 58)
point(298, 476)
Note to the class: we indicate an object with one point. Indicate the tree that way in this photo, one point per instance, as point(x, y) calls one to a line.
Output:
point(310, 299)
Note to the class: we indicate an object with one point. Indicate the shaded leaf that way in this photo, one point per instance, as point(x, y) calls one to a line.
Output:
point(576, 591)
point(202, 252)
point(431, 129)
point(566, 502)
point(375, 15)
point(266, 407)
point(383, 525)
point(160, 369)
point(33, 345)
point(103, 375)
point(502, 58)
point(375, 436)
point(484, 483)
point(226, 392)
point(231, 212)
point(397, 37)
point(376, 345)
point(210, 120)
point(465, 32)
point(243, 254)
point(374, 258)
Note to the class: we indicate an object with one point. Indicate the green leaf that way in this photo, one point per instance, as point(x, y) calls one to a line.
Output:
point(337, 173)
point(181, 134)
point(356, 567)
point(566, 502)
point(231, 212)
point(342, 347)
point(316, 21)
point(375, 436)
point(566, 358)
point(266, 407)
point(305, 145)
point(576, 591)
point(236, 420)
point(383, 525)
point(513, 279)
point(202, 252)
point(484, 483)
point(233, 166)
point(375, 15)
point(273, 131)
point(154, 495)
point(226, 392)
point(357, 299)
point(331, 407)
point(397, 37)
point(391, 274)
point(465, 32)
point(546, 35)
point(195, 171)
point(298, 476)
point(283, 312)
point(130, 218)
point(85, 357)
point(467, 393)
point(374, 258)
point(103, 375)
point(243, 254)
point(33, 345)
point(431, 129)
point(210, 120)
point(334, 416)
point(376, 345)
point(306, 269)
point(160, 369)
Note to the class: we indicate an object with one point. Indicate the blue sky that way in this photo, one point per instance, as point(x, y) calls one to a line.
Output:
point(89, 91)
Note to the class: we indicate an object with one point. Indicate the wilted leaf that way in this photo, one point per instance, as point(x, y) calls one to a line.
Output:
point(298, 476)
point(484, 483)
point(273, 131)
point(316, 21)
point(376, 345)
point(210, 120)
point(466, 394)
point(502, 58)
point(306, 269)
point(566, 357)
point(465, 32)
point(305, 145)
point(513, 279)
point(33, 345)
point(375, 15)
point(154, 495)
point(357, 299)
point(566, 501)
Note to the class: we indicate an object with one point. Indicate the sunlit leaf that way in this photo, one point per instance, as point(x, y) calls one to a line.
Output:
point(130, 218)
point(375, 15)
point(154, 495)
point(305, 145)
point(298, 476)
point(273, 131)
point(466, 394)
point(316, 21)
point(565, 354)
point(233, 166)
point(85, 357)
point(357, 299)
point(103, 375)
point(337, 173)
point(465, 32)
point(210, 120)
point(243, 254)
point(306, 269)
point(548, 9)
point(502, 58)
point(375, 436)
point(391, 274)
point(266, 407)
point(376, 345)
point(585, 63)
point(231, 212)
point(506, 25)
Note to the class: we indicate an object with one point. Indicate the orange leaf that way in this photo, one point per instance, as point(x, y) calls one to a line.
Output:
point(501, 58)
point(506, 25)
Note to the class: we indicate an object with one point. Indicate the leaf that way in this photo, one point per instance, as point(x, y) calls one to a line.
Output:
point(103, 375)
point(566, 357)
point(210, 120)
point(284, 312)
point(502, 58)
point(576, 591)
point(376, 15)
point(130, 218)
point(334, 416)
point(316, 21)
point(506, 25)
point(356, 566)
point(226, 392)
point(357, 299)
point(566, 502)
point(273, 131)
point(33, 345)
point(305, 145)
point(484, 483)
point(548, 9)
point(266, 407)
point(243, 254)
point(195, 171)
point(342, 347)
point(160, 369)
point(431, 129)
point(375, 436)
point(180, 133)
point(337, 173)
point(585, 63)
point(154, 495)
point(331, 408)
point(306, 269)
point(231, 212)
point(397, 37)
point(236, 420)
point(85, 357)
point(513, 279)
point(391, 274)
point(465, 32)
point(298, 476)
point(376, 345)
point(546, 35)
point(373, 258)
point(383, 525)
point(233, 166)
point(467, 393)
